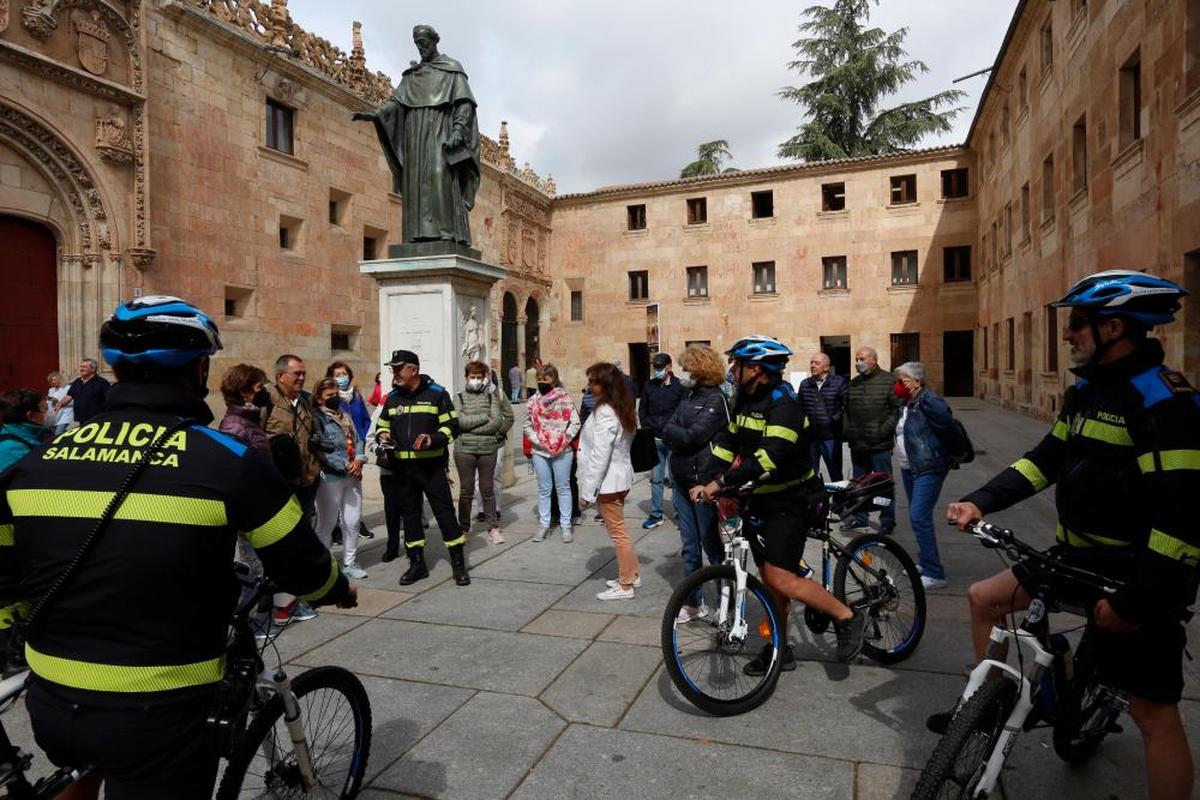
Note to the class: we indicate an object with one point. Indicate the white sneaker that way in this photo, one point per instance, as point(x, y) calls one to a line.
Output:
point(934, 583)
point(615, 593)
point(689, 613)
point(540, 536)
point(568, 537)
point(637, 582)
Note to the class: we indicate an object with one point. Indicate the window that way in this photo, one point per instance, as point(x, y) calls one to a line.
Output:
point(833, 272)
point(762, 204)
point(1079, 179)
point(237, 302)
point(996, 344)
point(1023, 90)
point(373, 239)
point(1008, 228)
point(697, 281)
point(1010, 344)
point(904, 268)
point(764, 277)
point(1025, 216)
point(1131, 100)
point(833, 197)
point(904, 189)
point(983, 335)
point(339, 201)
point(577, 306)
point(368, 253)
point(289, 232)
point(636, 217)
point(697, 210)
point(985, 250)
point(957, 263)
point(1047, 45)
point(1048, 189)
point(954, 182)
point(995, 251)
point(991, 150)
point(1005, 123)
point(280, 120)
point(639, 285)
point(1052, 335)
point(341, 337)
point(905, 347)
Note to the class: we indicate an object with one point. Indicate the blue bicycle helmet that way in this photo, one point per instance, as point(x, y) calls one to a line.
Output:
point(1121, 292)
point(159, 330)
point(771, 354)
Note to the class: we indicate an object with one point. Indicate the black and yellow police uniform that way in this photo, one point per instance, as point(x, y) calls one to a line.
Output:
point(1124, 456)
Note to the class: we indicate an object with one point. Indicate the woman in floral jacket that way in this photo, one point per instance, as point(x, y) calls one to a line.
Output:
point(551, 422)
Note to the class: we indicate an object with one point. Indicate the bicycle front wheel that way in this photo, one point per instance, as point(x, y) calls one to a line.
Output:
point(716, 668)
point(877, 576)
point(960, 757)
point(337, 728)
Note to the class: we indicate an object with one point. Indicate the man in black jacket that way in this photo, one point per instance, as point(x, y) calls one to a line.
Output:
point(660, 396)
point(823, 396)
point(872, 411)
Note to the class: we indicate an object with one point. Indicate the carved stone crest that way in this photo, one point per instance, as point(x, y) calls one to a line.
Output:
point(38, 19)
point(112, 139)
point(3, 15)
point(91, 40)
point(528, 248)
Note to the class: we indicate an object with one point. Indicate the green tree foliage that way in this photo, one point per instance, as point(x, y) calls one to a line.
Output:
point(853, 68)
point(709, 157)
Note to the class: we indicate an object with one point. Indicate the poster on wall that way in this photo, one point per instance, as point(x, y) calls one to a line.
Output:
point(652, 327)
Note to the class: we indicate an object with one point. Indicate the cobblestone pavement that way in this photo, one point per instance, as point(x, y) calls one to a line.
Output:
point(524, 685)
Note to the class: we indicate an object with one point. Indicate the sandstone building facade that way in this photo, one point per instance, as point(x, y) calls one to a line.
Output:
point(204, 148)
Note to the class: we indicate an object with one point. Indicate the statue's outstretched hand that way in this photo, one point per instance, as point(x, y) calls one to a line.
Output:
point(363, 115)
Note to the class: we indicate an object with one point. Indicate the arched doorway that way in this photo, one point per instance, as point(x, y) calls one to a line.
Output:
point(28, 304)
point(532, 333)
point(508, 339)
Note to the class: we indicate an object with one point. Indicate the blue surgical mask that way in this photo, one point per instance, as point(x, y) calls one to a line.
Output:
point(860, 367)
point(343, 381)
point(660, 374)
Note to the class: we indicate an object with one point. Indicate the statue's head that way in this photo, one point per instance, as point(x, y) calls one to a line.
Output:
point(426, 40)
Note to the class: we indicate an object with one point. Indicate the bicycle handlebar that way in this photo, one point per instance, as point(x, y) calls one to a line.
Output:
point(997, 538)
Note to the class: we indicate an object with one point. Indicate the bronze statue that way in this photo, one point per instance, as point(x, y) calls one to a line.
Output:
point(429, 134)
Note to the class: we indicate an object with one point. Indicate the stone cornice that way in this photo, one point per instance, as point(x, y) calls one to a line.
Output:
point(56, 71)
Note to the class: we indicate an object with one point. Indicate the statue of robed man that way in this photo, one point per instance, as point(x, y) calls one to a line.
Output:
point(430, 136)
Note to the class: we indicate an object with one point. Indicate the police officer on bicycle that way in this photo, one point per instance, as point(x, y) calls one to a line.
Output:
point(768, 443)
point(126, 658)
point(1124, 454)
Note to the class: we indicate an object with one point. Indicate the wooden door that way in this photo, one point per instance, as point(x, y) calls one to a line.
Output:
point(28, 304)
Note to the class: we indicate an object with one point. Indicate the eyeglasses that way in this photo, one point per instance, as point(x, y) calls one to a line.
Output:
point(1076, 324)
point(400, 367)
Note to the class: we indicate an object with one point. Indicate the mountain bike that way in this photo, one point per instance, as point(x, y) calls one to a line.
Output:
point(308, 736)
point(706, 655)
point(1059, 688)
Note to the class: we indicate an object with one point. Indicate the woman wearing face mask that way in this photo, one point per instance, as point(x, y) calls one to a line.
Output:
point(24, 415)
point(482, 424)
point(551, 422)
point(353, 405)
point(339, 494)
point(243, 387)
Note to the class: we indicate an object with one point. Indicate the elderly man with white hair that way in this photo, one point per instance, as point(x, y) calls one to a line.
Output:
point(923, 437)
point(869, 426)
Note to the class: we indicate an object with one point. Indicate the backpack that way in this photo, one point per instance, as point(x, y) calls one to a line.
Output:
point(959, 445)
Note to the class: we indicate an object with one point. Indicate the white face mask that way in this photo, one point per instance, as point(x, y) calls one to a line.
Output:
point(475, 384)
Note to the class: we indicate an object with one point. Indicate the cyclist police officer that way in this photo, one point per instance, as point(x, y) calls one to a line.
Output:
point(1125, 455)
point(769, 439)
point(126, 660)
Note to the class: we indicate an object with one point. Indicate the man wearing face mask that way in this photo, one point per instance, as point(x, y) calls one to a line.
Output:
point(869, 424)
point(660, 396)
point(484, 417)
point(823, 396)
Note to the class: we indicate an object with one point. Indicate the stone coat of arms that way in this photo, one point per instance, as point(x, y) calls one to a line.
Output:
point(3, 15)
point(91, 42)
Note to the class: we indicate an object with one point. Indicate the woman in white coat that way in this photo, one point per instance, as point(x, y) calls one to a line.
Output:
point(605, 472)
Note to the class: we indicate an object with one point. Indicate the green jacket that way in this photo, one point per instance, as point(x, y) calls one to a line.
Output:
point(483, 419)
point(872, 410)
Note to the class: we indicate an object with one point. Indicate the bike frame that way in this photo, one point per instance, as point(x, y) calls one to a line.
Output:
point(277, 681)
point(737, 553)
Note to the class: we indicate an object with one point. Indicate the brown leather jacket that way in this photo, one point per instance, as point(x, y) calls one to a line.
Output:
point(281, 417)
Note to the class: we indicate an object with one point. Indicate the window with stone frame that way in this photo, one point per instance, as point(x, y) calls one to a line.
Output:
point(1047, 45)
point(1079, 165)
point(697, 281)
point(1025, 212)
point(237, 301)
point(280, 127)
point(1130, 99)
point(635, 217)
point(368, 253)
point(697, 210)
point(954, 183)
point(1005, 124)
point(639, 285)
point(996, 345)
point(577, 305)
point(289, 232)
point(764, 277)
point(1008, 229)
point(762, 204)
point(833, 197)
point(342, 338)
point(956, 263)
point(1010, 344)
point(905, 347)
point(833, 273)
point(904, 268)
point(1023, 89)
point(1048, 189)
point(904, 189)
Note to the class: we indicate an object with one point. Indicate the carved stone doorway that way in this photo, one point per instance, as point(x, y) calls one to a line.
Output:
point(532, 331)
point(508, 339)
point(28, 304)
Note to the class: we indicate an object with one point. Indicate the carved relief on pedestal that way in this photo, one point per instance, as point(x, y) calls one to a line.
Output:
point(91, 40)
point(3, 15)
point(112, 139)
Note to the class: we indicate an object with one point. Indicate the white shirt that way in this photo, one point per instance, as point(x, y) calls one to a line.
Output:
point(901, 455)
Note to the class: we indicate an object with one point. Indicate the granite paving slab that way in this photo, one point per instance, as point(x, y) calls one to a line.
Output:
point(645, 631)
point(372, 602)
point(552, 561)
point(573, 624)
point(482, 751)
point(599, 685)
point(502, 605)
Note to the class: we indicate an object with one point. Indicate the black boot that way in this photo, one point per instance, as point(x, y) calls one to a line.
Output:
point(416, 567)
point(458, 563)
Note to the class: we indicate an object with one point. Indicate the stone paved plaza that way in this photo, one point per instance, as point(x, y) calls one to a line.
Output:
point(523, 685)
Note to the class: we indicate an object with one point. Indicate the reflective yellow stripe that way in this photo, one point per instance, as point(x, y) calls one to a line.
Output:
point(449, 434)
point(405, 455)
point(731, 427)
point(1088, 539)
point(764, 460)
point(1059, 431)
point(334, 573)
point(449, 415)
point(1106, 432)
point(10, 613)
point(1032, 473)
point(117, 678)
point(723, 454)
point(384, 424)
point(139, 507)
point(751, 423)
point(459, 540)
point(417, 543)
point(1167, 545)
point(278, 526)
point(781, 432)
point(1171, 459)
point(418, 408)
point(6, 535)
point(771, 488)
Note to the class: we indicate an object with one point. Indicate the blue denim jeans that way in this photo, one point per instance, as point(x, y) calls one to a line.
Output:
point(863, 462)
point(698, 533)
point(554, 475)
point(923, 491)
point(831, 451)
point(663, 469)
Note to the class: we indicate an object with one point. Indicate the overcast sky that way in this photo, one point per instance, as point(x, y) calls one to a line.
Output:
point(599, 93)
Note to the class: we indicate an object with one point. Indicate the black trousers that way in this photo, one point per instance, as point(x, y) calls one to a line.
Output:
point(406, 487)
